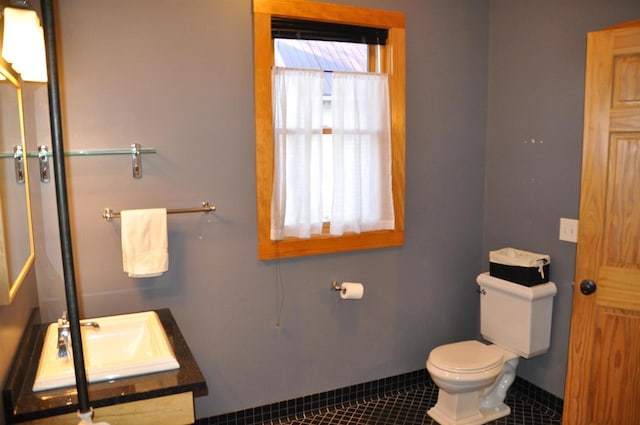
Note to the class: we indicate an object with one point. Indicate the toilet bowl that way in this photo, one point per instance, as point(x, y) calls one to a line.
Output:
point(473, 379)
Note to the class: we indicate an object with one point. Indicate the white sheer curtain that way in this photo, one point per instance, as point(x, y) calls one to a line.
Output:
point(296, 205)
point(362, 197)
point(362, 193)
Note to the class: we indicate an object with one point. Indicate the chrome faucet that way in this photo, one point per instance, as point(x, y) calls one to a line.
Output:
point(64, 335)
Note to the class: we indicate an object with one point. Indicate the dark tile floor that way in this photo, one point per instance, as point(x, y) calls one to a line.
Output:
point(409, 407)
point(397, 400)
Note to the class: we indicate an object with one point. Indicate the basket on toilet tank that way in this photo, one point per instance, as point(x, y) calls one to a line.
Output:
point(521, 267)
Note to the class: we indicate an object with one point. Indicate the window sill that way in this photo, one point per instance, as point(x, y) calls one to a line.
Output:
point(326, 244)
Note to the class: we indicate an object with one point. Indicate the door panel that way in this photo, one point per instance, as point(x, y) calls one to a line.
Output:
point(603, 374)
point(622, 233)
point(611, 380)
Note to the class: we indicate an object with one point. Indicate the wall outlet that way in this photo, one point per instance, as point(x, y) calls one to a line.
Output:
point(569, 230)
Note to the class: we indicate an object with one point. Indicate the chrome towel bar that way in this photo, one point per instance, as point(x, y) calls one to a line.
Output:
point(109, 214)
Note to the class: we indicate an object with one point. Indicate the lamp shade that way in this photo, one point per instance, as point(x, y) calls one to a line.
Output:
point(23, 43)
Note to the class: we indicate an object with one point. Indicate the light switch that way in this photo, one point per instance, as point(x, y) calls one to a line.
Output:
point(569, 230)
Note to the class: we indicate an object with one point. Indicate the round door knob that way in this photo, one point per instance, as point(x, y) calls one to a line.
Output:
point(588, 287)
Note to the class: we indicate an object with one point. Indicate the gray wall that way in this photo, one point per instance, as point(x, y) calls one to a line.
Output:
point(178, 76)
point(536, 85)
point(13, 321)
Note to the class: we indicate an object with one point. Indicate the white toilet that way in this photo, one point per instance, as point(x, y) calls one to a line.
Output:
point(473, 377)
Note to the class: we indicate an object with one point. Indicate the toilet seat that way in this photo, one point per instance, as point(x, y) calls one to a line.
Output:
point(466, 357)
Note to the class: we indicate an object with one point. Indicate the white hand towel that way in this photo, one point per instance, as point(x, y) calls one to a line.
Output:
point(145, 251)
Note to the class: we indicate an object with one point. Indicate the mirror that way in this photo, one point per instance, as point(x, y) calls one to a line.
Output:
point(16, 232)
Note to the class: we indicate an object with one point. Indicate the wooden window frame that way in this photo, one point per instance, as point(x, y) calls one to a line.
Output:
point(393, 60)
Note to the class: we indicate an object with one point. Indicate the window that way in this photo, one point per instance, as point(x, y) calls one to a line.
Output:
point(388, 58)
point(329, 56)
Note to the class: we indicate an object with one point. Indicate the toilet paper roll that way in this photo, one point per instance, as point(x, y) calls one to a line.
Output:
point(351, 291)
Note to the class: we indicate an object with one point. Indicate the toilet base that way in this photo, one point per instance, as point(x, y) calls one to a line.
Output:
point(461, 409)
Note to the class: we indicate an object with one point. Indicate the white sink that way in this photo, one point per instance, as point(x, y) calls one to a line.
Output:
point(124, 345)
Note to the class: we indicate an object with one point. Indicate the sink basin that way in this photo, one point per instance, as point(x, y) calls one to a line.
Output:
point(124, 345)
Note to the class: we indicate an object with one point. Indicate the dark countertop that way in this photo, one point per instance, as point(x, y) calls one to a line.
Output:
point(22, 404)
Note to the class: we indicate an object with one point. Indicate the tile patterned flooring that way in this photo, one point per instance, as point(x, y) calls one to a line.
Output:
point(397, 400)
point(409, 407)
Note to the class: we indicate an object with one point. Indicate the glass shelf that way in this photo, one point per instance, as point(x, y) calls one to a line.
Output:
point(9, 155)
point(91, 152)
point(43, 156)
point(95, 152)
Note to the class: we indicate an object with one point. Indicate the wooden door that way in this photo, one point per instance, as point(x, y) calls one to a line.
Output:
point(603, 376)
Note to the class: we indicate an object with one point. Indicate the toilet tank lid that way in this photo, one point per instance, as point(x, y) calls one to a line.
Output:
point(527, 292)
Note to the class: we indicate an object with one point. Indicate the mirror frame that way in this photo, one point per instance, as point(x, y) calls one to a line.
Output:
point(9, 287)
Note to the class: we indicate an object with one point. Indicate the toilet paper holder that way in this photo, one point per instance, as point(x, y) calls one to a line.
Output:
point(348, 290)
point(336, 287)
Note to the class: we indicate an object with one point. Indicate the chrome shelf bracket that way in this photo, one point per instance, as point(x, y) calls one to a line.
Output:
point(18, 161)
point(43, 160)
point(136, 161)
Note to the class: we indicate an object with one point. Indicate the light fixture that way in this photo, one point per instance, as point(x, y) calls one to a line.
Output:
point(23, 43)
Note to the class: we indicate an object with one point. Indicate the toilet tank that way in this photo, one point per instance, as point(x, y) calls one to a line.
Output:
point(516, 317)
